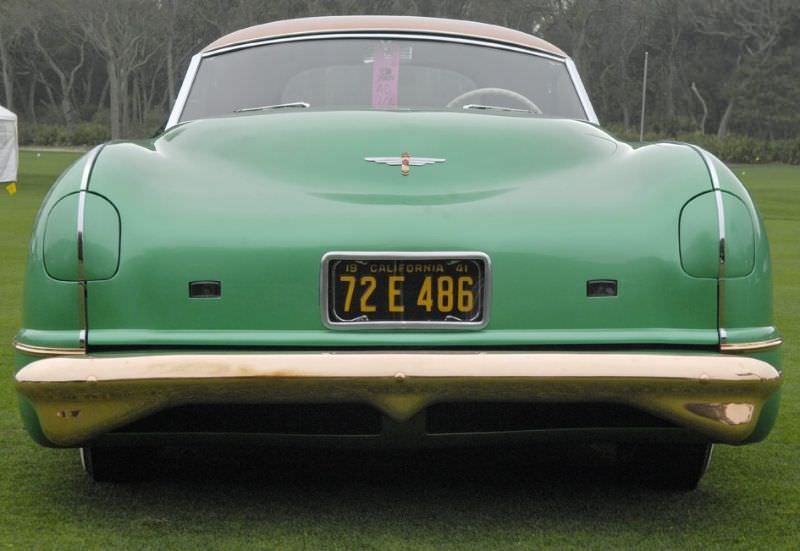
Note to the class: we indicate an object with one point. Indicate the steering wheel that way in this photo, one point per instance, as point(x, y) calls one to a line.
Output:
point(498, 91)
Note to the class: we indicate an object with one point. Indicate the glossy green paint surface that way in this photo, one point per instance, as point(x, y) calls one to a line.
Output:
point(747, 301)
point(261, 198)
point(51, 313)
point(255, 201)
point(739, 237)
point(699, 237)
point(101, 248)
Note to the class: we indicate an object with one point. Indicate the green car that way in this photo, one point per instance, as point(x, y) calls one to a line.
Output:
point(396, 232)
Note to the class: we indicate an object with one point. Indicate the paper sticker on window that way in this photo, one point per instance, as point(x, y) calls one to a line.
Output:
point(385, 75)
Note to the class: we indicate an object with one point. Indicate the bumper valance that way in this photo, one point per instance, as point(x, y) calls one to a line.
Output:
point(80, 398)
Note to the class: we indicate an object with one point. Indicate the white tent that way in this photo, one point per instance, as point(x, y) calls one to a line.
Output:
point(9, 151)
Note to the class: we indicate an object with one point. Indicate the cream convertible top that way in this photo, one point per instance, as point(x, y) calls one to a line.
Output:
point(381, 23)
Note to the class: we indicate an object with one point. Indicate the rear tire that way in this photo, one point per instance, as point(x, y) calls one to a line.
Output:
point(116, 464)
point(665, 466)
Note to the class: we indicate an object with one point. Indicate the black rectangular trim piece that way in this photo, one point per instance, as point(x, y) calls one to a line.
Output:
point(601, 288)
point(205, 289)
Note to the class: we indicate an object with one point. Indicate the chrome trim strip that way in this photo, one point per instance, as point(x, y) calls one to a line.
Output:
point(481, 107)
point(88, 167)
point(399, 255)
point(396, 29)
point(384, 34)
point(83, 334)
point(752, 346)
point(183, 93)
point(47, 350)
point(191, 73)
point(712, 172)
point(582, 94)
point(289, 105)
point(698, 369)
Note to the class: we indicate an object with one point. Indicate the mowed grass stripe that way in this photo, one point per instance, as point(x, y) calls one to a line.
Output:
point(559, 497)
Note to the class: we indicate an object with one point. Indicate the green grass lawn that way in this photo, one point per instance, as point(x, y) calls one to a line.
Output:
point(453, 500)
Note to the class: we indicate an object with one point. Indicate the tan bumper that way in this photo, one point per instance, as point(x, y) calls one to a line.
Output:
point(79, 398)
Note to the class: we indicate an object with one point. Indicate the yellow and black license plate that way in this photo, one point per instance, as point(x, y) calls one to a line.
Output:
point(405, 290)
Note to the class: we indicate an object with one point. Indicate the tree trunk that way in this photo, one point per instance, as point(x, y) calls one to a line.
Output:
point(151, 93)
point(68, 110)
point(124, 101)
point(626, 117)
point(115, 99)
point(171, 71)
point(580, 43)
point(101, 99)
point(50, 96)
point(8, 81)
point(32, 101)
point(66, 83)
point(173, 17)
point(86, 99)
point(722, 131)
point(137, 110)
point(669, 88)
point(703, 105)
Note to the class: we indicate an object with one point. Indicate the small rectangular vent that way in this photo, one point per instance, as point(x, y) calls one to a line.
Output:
point(205, 289)
point(601, 288)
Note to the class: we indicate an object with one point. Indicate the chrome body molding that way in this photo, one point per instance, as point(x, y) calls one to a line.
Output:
point(34, 350)
point(411, 255)
point(712, 172)
point(717, 396)
point(591, 116)
point(383, 34)
point(183, 93)
point(289, 105)
point(91, 159)
point(191, 73)
point(754, 346)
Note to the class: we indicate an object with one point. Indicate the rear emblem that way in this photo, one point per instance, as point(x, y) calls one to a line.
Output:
point(404, 161)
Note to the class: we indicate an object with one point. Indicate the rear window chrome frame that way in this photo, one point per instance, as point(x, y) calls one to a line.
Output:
point(194, 64)
point(407, 255)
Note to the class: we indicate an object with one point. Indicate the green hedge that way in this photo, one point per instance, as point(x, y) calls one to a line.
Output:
point(731, 149)
point(85, 133)
point(744, 149)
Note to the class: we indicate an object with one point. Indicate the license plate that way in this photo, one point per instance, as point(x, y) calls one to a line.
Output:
point(412, 290)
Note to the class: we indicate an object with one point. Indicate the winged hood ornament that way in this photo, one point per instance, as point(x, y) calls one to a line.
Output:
point(405, 161)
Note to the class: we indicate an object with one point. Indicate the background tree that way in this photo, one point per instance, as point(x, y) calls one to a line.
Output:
point(122, 33)
point(752, 32)
point(14, 16)
point(62, 52)
point(729, 66)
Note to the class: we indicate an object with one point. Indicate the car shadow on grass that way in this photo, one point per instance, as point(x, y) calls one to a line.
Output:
point(556, 468)
point(316, 498)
